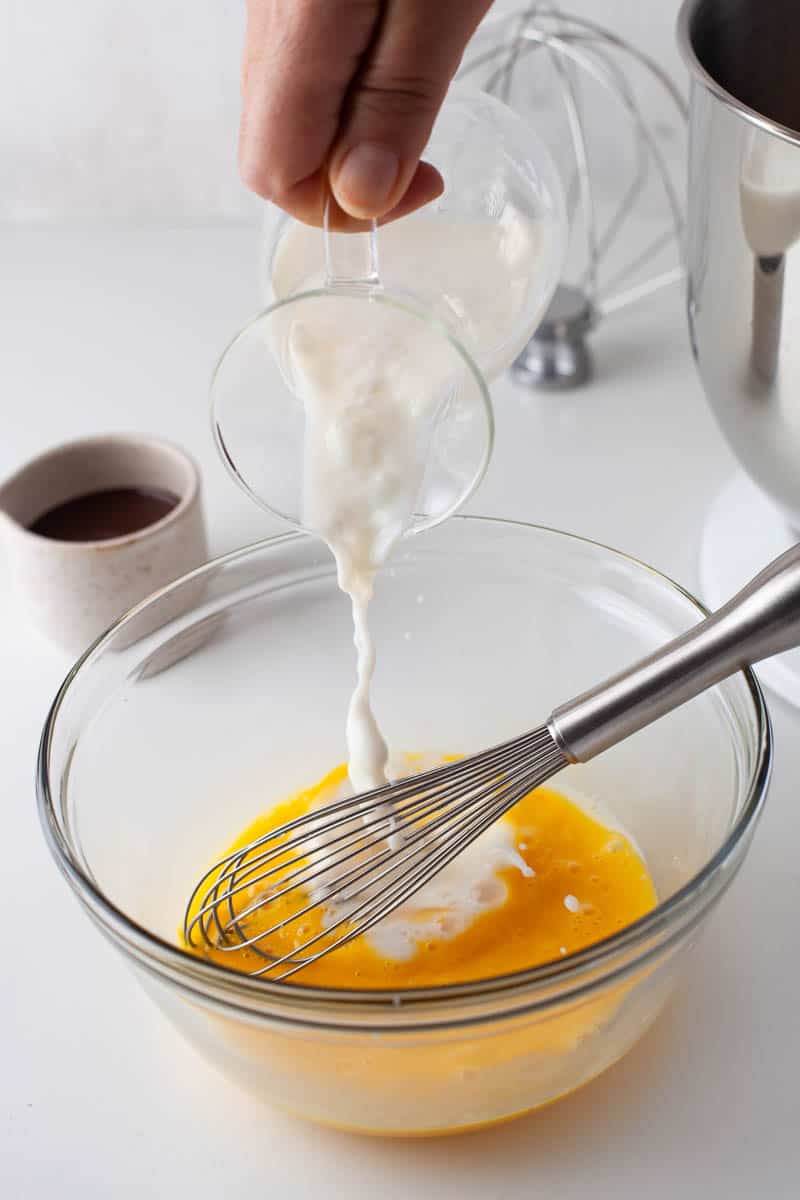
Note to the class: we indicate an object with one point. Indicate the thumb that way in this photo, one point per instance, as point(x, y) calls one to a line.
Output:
point(393, 102)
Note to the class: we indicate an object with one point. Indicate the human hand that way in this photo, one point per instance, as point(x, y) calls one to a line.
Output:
point(347, 91)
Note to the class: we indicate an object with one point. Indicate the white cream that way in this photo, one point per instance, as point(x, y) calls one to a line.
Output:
point(372, 389)
point(372, 379)
point(465, 889)
point(367, 751)
point(770, 195)
point(445, 907)
point(479, 275)
point(469, 886)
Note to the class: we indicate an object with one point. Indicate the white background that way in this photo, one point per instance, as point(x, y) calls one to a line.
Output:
point(123, 115)
point(120, 112)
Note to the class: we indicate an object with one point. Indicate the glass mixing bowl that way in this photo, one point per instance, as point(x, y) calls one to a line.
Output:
point(228, 690)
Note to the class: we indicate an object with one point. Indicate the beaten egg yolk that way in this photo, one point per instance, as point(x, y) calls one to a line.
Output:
point(584, 881)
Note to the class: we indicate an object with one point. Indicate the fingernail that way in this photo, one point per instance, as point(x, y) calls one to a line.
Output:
point(365, 179)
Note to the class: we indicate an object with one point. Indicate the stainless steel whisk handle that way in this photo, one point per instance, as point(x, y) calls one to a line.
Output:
point(761, 620)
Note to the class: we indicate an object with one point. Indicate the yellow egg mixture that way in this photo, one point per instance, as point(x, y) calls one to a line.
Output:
point(577, 881)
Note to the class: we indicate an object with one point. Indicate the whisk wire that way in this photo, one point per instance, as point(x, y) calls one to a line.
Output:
point(426, 834)
point(362, 847)
point(414, 799)
point(763, 619)
point(423, 837)
point(376, 908)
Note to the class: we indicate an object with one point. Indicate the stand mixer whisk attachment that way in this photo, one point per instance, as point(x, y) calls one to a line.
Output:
point(347, 865)
point(584, 82)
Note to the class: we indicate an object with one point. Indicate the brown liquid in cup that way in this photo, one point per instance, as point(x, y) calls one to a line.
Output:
point(98, 516)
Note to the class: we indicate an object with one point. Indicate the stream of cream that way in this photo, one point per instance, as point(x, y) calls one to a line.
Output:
point(373, 379)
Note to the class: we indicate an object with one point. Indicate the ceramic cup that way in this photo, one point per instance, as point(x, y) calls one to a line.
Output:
point(72, 591)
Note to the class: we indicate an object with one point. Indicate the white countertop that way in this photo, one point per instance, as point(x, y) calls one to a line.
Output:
point(98, 1097)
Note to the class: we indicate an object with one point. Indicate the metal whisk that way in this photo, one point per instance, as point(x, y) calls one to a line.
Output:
point(369, 853)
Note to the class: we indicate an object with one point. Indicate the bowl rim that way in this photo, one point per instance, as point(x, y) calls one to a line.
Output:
point(405, 1009)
